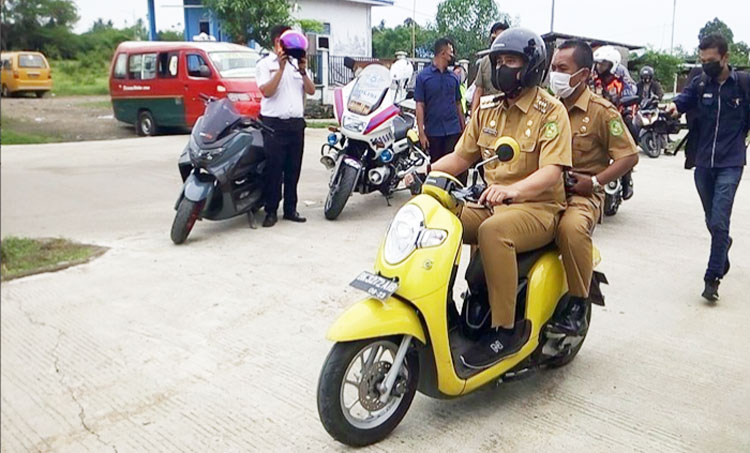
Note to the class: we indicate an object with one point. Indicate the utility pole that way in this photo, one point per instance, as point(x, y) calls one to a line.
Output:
point(552, 19)
point(414, 31)
point(671, 43)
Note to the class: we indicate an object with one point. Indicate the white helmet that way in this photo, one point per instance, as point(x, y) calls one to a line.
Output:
point(608, 53)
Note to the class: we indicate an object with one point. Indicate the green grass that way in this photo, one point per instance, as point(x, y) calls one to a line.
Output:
point(79, 78)
point(25, 256)
point(321, 124)
point(11, 135)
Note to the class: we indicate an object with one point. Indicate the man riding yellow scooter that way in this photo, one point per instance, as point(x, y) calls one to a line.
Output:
point(523, 200)
point(408, 335)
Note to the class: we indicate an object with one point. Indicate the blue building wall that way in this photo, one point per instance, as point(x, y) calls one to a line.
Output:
point(195, 16)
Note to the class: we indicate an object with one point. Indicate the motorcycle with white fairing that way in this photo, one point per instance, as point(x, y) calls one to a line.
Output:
point(376, 144)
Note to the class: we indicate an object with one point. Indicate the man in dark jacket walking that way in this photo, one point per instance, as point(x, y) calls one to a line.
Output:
point(719, 101)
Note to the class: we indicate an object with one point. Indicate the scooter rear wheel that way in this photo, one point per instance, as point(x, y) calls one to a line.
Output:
point(348, 400)
point(187, 214)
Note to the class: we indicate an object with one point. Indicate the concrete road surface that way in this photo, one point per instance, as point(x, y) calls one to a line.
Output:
point(217, 345)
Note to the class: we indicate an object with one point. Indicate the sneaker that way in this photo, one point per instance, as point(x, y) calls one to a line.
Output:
point(573, 321)
point(492, 346)
point(711, 291)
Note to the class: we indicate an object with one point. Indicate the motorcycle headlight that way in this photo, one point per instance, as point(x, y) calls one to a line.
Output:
point(354, 125)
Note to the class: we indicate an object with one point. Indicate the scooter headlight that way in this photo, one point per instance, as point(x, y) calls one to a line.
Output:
point(402, 235)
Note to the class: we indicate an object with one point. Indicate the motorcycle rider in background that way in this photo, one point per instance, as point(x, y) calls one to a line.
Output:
point(648, 86)
point(613, 87)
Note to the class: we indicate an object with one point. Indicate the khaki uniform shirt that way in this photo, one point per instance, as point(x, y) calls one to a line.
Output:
point(484, 77)
point(599, 135)
point(540, 125)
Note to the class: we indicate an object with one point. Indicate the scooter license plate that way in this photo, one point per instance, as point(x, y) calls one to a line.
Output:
point(380, 288)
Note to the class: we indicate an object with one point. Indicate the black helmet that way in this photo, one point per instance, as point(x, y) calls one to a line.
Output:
point(647, 72)
point(527, 44)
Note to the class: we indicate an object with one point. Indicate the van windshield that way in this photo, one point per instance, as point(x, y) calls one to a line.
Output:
point(234, 65)
point(26, 60)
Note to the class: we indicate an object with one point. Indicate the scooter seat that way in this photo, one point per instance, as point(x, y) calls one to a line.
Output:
point(401, 125)
point(525, 261)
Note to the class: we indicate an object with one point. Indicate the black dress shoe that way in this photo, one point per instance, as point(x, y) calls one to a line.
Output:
point(726, 265)
point(270, 220)
point(573, 321)
point(295, 217)
point(711, 290)
point(494, 345)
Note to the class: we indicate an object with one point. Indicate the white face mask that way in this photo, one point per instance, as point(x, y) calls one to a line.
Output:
point(559, 83)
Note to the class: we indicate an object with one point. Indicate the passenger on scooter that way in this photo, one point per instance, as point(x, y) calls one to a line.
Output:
point(533, 186)
point(613, 88)
point(598, 138)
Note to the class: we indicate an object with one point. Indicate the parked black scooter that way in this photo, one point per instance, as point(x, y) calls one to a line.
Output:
point(221, 167)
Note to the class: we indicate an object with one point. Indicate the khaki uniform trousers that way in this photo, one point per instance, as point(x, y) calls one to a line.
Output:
point(573, 238)
point(500, 234)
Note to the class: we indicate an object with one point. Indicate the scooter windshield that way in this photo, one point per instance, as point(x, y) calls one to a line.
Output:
point(219, 116)
point(369, 89)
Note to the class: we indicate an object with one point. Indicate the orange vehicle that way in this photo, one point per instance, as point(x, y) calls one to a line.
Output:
point(159, 84)
point(25, 72)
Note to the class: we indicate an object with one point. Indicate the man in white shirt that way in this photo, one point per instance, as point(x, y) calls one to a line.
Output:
point(283, 81)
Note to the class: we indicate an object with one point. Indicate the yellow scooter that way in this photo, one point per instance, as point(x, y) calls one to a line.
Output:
point(408, 335)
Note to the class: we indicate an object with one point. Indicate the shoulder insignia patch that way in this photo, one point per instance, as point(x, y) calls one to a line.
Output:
point(541, 104)
point(550, 130)
point(615, 127)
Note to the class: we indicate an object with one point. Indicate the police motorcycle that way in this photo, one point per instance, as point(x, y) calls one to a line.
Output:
point(406, 335)
point(221, 168)
point(372, 149)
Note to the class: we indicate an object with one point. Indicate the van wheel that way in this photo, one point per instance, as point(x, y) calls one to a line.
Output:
point(5, 92)
point(145, 126)
point(40, 94)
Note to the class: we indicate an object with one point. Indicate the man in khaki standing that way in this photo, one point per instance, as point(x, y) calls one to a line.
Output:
point(483, 81)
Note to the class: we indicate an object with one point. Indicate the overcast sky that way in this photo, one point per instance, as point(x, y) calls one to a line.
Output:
point(641, 22)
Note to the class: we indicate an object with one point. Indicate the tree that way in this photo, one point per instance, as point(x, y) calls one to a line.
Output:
point(467, 23)
point(244, 20)
point(387, 41)
point(716, 26)
point(32, 24)
point(310, 26)
point(666, 66)
point(171, 35)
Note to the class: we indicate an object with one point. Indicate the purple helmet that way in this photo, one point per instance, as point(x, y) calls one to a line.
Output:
point(294, 43)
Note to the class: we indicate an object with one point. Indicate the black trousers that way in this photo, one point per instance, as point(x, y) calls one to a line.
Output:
point(284, 162)
point(440, 146)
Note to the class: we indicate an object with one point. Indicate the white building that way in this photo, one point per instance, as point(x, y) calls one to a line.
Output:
point(347, 22)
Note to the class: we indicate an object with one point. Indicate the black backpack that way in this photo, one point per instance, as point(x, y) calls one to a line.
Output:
point(691, 140)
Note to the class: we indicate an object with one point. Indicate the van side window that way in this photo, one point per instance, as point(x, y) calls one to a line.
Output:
point(142, 67)
point(168, 63)
point(149, 66)
point(194, 64)
point(134, 67)
point(121, 66)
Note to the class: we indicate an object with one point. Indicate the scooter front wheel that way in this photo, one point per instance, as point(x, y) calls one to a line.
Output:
point(349, 399)
point(569, 353)
point(187, 214)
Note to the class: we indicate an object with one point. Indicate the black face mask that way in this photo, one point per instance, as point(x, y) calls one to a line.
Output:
point(713, 69)
point(507, 80)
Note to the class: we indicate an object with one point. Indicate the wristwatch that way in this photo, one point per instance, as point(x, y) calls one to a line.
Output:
point(598, 188)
